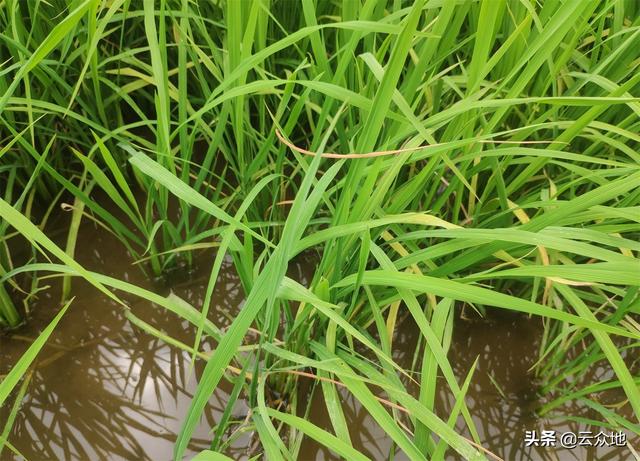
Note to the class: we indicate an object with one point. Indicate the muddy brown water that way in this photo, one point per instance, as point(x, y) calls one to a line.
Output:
point(103, 389)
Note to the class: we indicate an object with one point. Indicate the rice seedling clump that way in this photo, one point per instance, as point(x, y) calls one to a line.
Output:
point(320, 230)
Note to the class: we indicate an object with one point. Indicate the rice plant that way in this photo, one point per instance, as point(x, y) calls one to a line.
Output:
point(426, 157)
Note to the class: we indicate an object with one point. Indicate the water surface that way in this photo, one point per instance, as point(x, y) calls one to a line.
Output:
point(104, 389)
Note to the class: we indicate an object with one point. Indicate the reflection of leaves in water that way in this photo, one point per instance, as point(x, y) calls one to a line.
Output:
point(107, 390)
point(103, 389)
point(87, 408)
point(507, 347)
point(52, 421)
